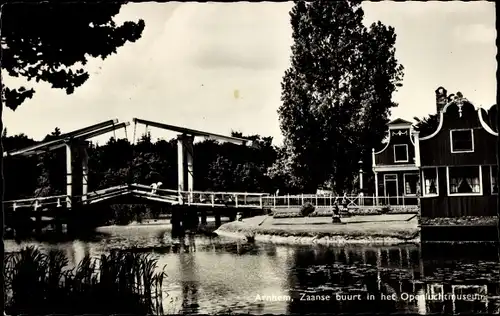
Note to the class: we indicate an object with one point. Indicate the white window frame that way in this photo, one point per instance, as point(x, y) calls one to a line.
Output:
point(404, 183)
point(464, 194)
point(422, 182)
point(397, 185)
point(407, 154)
point(491, 180)
point(461, 130)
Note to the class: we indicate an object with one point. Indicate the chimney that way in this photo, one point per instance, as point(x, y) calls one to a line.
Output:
point(441, 99)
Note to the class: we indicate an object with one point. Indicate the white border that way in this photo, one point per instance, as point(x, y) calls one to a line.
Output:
point(465, 194)
point(491, 180)
point(404, 183)
point(397, 186)
point(471, 130)
point(422, 183)
point(394, 151)
point(484, 124)
point(441, 115)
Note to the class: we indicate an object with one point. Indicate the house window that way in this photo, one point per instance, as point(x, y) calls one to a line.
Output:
point(462, 141)
point(411, 183)
point(464, 180)
point(430, 181)
point(401, 153)
point(494, 179)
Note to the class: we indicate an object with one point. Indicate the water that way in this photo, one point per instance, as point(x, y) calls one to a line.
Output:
point(217, 275)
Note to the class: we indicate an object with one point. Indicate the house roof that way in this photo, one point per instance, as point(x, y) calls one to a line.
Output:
point(399, 121)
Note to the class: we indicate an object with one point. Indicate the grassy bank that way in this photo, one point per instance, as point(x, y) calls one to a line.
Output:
point(304, 230)
point(119, 283)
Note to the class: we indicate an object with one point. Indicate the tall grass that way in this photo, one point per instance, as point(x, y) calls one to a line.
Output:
point(121, 282)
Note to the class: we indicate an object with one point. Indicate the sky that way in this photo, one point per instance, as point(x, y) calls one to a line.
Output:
point(218, 67)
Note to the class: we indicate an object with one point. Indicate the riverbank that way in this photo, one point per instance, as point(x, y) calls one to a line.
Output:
point(390, 229)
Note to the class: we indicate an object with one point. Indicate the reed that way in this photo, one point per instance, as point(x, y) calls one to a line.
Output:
point(122, 282)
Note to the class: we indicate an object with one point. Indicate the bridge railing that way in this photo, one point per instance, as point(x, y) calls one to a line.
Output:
point(37, 202)
point(328, 201)
point(229, 199)
point(203, 198)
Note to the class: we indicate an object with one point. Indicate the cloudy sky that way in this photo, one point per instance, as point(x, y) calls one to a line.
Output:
point(218, 67)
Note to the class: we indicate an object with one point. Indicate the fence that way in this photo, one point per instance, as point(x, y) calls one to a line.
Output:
point(327, 201)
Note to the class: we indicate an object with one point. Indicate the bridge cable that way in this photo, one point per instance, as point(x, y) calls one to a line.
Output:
point(114, 130)
point(135, 130)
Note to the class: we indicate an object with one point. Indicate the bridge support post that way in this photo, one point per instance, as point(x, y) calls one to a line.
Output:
point(38, 218)
point(69, 174)
point(217, 218)
point(185, 162)
point(85, 170)
point(203, 215)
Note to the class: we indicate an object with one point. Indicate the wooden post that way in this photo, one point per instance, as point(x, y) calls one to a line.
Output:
point(260, 201)
point(14, 206)
point(302, 200)
point(316, 200)
point(38, 217)
point(180, 166)
point(376, 189)
point(274, 201)
point(204, 217)
point(217, 218)
point(189, 152)
point(236, 200)
point(212, 197)
point(85, 171)
point(288, 200)
point(69, 175)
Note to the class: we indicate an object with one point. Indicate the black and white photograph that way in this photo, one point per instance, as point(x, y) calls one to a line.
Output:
point(289, 157)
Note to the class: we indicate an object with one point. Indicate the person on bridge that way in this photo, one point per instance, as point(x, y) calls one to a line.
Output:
point(154, 187)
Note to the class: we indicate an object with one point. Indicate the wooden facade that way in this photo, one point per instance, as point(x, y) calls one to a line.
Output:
point(456, 164)
point(396, 166)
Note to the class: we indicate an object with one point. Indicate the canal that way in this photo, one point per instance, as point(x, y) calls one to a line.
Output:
point(209, 275)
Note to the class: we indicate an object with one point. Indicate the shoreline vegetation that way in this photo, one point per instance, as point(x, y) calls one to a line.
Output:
point(121, 282)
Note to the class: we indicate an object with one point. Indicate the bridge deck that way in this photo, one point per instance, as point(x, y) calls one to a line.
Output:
point(212, 199)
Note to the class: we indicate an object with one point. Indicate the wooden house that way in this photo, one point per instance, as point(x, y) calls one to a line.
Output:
point(453, 169)
point(459, 171)
point(396, 166)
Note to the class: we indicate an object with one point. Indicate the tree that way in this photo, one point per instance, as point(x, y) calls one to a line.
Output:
point(337, 93)
point(52, 43)
point(427, 125)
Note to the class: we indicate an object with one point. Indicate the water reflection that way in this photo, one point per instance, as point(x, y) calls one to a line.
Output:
point(216, 275)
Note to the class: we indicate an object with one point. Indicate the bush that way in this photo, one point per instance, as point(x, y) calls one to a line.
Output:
point(121, 282)
point(385, 209)
point(307, 209)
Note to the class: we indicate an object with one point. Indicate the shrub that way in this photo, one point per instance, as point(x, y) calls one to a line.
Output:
point(385, 209)
point(121, 282)
point(306, 209)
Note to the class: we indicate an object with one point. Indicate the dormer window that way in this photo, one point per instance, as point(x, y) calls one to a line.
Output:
point(401, 153)
point(462, 141)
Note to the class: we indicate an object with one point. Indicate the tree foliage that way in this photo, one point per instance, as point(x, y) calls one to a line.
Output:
point(52, 42)
point(336, 94)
